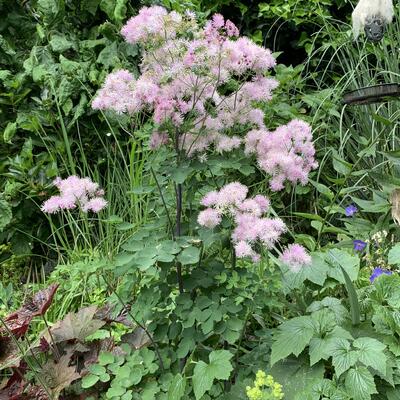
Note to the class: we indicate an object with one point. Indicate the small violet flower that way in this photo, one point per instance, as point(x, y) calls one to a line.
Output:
point(350, 210)
point(359, 245)
point(378, 272)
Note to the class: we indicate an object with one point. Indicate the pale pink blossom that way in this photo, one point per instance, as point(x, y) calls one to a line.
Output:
point(295, 257)
point(243, 249)
point(232, 194)
point(210, 199)
point(75, 192)
point(209, 218)
point(251, 228)
point(158, 139)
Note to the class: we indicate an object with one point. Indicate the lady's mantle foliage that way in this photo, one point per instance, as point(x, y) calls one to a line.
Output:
point(75, 192)
point(202, 87)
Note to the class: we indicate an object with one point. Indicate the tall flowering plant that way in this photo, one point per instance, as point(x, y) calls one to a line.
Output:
point(203, 87)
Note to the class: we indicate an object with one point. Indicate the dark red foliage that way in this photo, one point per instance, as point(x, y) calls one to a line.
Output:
point(44, 345)
point(18, 322)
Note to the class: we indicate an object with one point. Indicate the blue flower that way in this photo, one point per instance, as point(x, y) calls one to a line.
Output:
point(378, 272)
point(350, 210)
point(359, 245)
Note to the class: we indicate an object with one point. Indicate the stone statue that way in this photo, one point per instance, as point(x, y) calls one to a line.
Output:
point(373, 16)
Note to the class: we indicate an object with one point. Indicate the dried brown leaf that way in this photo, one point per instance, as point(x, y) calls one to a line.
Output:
point(75, 326)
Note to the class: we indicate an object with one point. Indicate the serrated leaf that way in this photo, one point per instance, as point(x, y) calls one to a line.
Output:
point(76, 326)
point(204, 374)
point(340, 258)
point(296, 376)
point(342, 356)
point(293, 336)
point(360, 383)
point(177, 388)
point(370, 353)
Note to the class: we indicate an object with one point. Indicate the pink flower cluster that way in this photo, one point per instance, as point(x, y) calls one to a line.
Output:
point(295, 257)
point(75, 192)
point(251, 228)
point(183, 70)
point(287, 154)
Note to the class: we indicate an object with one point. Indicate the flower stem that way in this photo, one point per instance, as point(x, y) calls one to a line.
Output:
point(178, 232)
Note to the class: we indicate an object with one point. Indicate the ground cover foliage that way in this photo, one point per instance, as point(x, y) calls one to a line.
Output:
point(186, 251)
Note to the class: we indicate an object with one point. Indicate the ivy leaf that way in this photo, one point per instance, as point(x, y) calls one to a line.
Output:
point(219, 367)
point(342, 357)
point(360, 383)
point(371, 353)
point(293, 336)
point(177, 388)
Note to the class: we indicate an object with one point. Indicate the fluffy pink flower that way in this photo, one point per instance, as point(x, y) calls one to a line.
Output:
point(158, 139)
point(209, 218)
point(210, 199)
point(226, 143)
point(295, 257)
point(243, 249)
point(117, 93)
point(232, 194)
point(231, 29)
point(75, 192)
point(147, 25)
point(51, 205)
point(96, 204)
point(286, 154)
point(250, 226)
point(263, 202)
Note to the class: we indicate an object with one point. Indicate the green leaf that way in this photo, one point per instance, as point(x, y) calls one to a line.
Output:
point(293, 336)
point(340, 258)
point(59, 43)
point(106, 358)
point(342, 357)
point(177, 388)
point(9, 131)
point(371, 206)
point(204, 374)
point(5, 214)
point(96, 369)
point(89, 381)
point(109, 55)
point(371, 353)
point(297, 377)
point(190, 255)
point(316, 273)
point(353, 298)
point(394, 254)
point(360, 383)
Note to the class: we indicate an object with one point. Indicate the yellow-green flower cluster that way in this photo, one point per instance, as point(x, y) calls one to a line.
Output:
point(265, 388)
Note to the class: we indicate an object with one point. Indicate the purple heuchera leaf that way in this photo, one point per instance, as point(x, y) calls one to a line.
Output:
point(350, 210)
point(378, 272)
point(359, 245)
